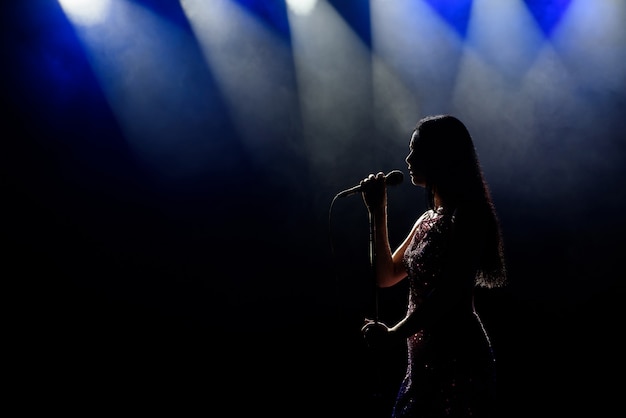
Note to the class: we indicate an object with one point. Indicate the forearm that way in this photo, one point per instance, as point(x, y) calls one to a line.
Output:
point(384, 266)
point(437, 309)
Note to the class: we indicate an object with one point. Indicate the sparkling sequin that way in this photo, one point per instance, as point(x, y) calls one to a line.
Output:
point(450, 368)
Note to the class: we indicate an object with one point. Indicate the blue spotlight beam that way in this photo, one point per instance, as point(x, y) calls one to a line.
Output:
point(357, 15)
point(273, 13)
point(548, 13)
point(455, 12)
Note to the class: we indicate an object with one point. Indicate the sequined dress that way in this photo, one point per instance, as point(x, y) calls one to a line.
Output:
point(450, 364)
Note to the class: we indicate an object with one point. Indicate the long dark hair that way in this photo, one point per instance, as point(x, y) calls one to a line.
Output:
point(451, 167)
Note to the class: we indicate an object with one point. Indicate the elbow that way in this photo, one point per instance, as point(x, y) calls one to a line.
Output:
point(389, 281)
point(390, 275)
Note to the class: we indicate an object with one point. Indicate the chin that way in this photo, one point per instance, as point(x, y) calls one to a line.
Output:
point(418, 182)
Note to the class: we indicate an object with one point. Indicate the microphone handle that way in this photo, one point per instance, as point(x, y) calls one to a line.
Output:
point(349, 192)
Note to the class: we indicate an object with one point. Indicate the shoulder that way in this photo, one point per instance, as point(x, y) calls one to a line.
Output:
point(429, 216)
point(433, 221)
point(441, 217)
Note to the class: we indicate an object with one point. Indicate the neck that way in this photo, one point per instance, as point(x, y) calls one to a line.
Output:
point(437, 201)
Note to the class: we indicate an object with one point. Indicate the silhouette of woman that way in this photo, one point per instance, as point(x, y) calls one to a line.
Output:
point(453, 247)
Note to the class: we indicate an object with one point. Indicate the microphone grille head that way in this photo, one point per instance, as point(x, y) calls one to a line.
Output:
point(393, 178)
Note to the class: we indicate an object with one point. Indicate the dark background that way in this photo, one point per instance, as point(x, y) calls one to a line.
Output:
point(233, 286)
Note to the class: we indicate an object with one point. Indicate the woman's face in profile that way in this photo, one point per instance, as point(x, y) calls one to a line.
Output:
point(413, 162)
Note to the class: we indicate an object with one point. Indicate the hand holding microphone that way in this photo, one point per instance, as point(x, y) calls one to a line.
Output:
point(392, 178)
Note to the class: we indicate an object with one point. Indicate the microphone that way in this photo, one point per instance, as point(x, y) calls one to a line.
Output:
point(392, 178)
